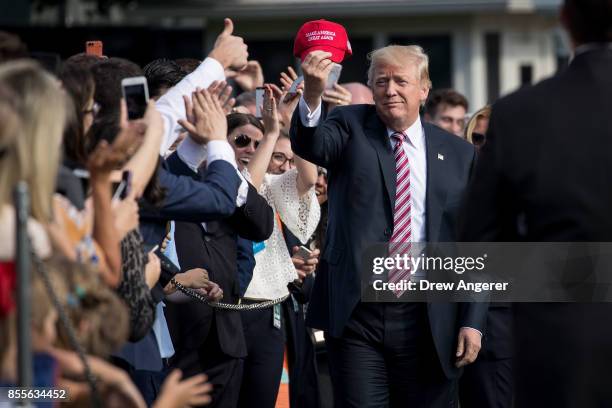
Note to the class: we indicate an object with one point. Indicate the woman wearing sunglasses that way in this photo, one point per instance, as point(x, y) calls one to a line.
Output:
point(292, 197)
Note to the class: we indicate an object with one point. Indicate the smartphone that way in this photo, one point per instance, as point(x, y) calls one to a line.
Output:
point(93, 48)
point(334, 76)
point(259, 100)
point(125, 186)
point(136, 95)
point(295, 84)
point(303, 252)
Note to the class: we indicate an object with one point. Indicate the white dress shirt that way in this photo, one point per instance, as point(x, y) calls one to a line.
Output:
point(171, 105)
point(172, 108)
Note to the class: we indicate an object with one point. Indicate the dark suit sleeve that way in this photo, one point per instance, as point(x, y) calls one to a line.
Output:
point(322, 145)
point(472, 315)
point(187, 199)
point(255, 219)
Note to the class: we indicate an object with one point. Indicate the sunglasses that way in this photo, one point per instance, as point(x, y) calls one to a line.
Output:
point(478, 138)
point(243, 140)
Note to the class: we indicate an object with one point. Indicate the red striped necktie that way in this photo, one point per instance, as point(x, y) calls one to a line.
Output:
point(402, 227)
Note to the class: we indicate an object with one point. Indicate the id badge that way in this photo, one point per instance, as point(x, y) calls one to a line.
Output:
point(276, 311)
point(258, 246)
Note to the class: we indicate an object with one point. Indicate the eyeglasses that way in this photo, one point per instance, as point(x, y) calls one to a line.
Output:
point(94, 109)
point(243, 140)
point(280, 159)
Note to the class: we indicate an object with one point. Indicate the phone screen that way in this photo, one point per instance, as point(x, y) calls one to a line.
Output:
point(334, 76)
point(136, 100)
point(259, 99)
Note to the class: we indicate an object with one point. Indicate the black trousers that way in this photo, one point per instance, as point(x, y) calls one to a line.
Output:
point(149, 383)
point(224, 371)
point(487, 383)
point(263, 365)
point(386, 358)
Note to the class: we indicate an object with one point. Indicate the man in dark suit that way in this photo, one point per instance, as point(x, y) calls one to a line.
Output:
point(386, 354)
point(208, 339)
point(544, 175)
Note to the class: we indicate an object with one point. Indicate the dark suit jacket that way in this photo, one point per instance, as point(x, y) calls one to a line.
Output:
point(206, 199)
point(546, 166)
point(187, 199)
point(215, 250)
point(353, 145)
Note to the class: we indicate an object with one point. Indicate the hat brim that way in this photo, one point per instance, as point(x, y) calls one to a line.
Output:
point(337, 54)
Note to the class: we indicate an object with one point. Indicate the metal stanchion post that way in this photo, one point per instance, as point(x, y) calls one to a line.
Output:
point(22, 267)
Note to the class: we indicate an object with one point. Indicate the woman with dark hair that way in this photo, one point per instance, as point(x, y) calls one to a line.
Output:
point(79, 84)
point(292, 197)
point(244, 132)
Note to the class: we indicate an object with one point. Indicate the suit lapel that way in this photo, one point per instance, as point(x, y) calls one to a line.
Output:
point(376, 132)
point(436, 171)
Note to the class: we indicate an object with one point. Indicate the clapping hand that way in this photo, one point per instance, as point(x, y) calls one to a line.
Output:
point(249, 77)
point(205, 119)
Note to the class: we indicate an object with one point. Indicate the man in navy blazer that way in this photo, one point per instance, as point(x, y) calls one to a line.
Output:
point(212, 197)
point(385, 354)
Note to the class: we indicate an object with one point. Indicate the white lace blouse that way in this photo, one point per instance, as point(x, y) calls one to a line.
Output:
point(273, 266)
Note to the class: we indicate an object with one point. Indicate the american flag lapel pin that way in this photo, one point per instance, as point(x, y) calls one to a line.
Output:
point(440, 156)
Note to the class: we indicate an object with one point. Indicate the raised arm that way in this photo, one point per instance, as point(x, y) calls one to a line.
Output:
point(229, 51)
point(144, 162)
point(261, 158)
point(312, 138)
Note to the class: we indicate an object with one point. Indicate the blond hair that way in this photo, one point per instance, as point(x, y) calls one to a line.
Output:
point(399, 55)
point(484, 112)
point(42, 108)
point(100, 317)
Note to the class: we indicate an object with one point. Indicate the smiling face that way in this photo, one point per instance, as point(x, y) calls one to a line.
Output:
point(282, 159)
point(398, 94)
point(243, 147)
point(321, 187)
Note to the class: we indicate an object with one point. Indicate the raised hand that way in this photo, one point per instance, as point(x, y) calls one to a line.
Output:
point(205, 117)
point(249, 78)
point(230, 50)
point(337, 96)
point(223, 92)
point(107, 157)
point(125, 214)
point(316, 68)
point(269, 113)
point(287, 79)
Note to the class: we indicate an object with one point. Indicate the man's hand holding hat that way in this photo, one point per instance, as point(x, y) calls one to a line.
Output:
point(319, 44)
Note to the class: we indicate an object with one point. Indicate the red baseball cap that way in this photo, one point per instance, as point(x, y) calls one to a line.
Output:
point(325, 36)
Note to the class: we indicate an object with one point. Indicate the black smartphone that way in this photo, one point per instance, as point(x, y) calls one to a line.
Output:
point(136, 95)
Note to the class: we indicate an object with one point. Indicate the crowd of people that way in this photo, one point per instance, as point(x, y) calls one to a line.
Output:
point(195, 284)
